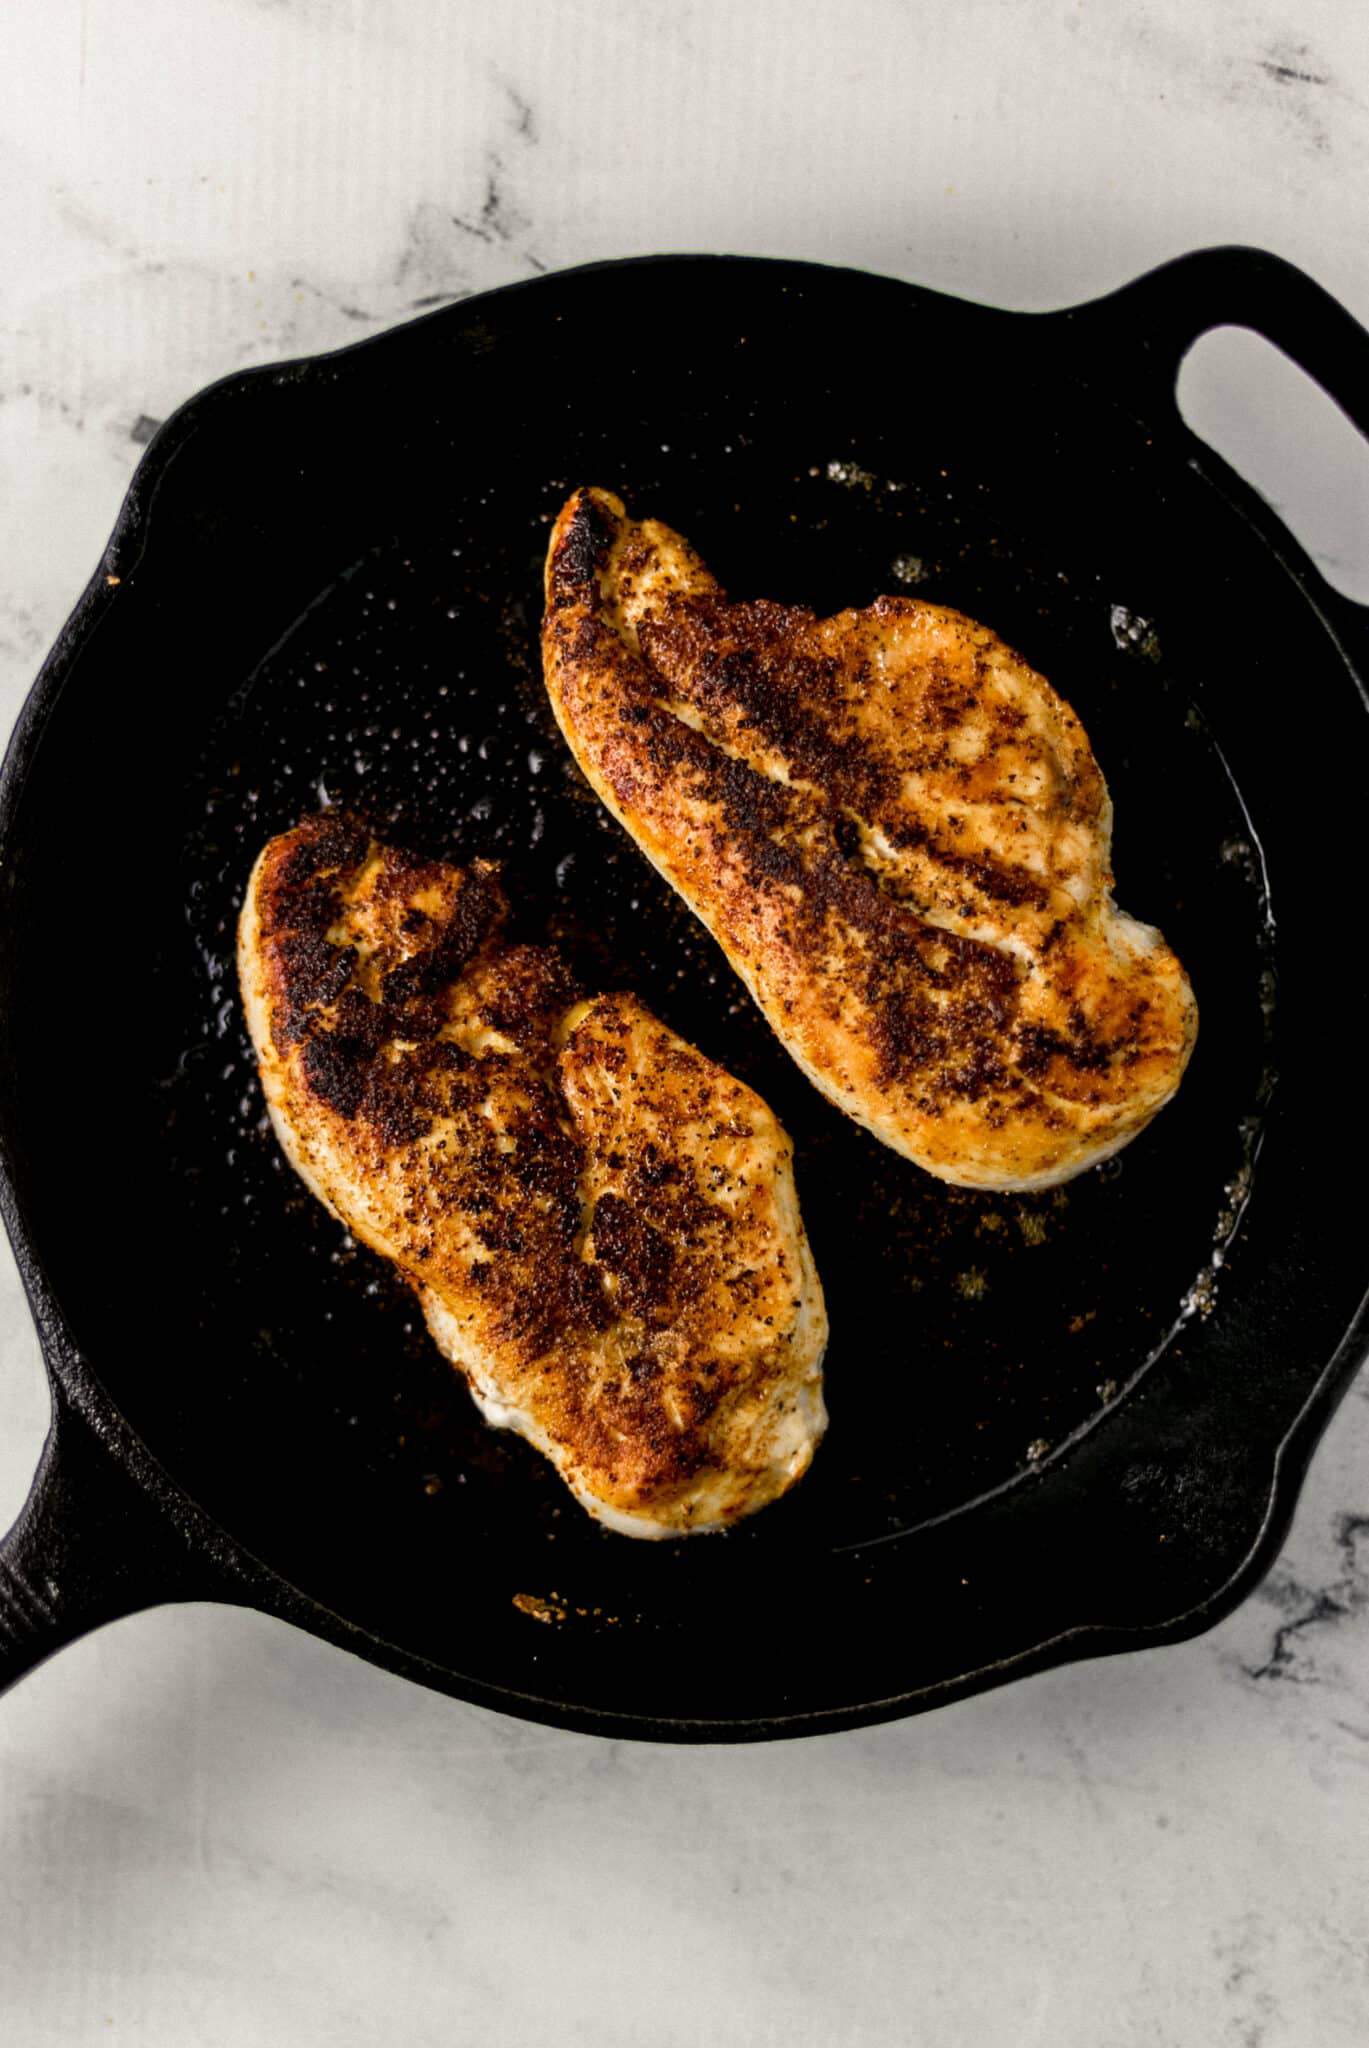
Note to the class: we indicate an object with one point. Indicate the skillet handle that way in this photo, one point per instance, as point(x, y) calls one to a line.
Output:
point(1162, 314)
point(89, 1545)
point(1156, 319)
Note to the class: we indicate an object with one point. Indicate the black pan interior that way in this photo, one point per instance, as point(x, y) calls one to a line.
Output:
point(369, 639)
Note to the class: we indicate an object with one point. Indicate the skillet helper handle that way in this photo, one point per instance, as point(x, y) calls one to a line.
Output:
point(1159, 317)
point(88, 1546)
point(1162, 315)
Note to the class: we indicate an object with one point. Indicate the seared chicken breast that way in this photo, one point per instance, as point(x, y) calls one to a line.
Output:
point(898, 834)
point(600, 1224)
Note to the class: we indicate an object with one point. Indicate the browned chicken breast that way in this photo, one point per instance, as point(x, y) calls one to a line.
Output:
point(600, 1224)
point(897, 832)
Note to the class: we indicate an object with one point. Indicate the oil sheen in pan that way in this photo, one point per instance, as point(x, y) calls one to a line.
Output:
point(973, 1335)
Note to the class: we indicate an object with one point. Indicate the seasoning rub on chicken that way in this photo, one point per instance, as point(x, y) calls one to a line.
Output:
point(600, 1224)
point(898, 834)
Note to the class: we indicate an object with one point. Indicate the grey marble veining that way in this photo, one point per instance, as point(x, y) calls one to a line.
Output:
point(220, 1832)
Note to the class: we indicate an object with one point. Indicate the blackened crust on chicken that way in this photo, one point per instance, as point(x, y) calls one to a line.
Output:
point(600, 1223)
point(586, 543)
point(899, 835)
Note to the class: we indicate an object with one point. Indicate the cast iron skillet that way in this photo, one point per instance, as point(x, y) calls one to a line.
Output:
point(1061, 1425)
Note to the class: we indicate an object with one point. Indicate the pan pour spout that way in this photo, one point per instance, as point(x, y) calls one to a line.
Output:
point(898, 834)
point(600, 1224)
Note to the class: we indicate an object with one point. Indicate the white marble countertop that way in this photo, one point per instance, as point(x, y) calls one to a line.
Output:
point(218, 1831)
